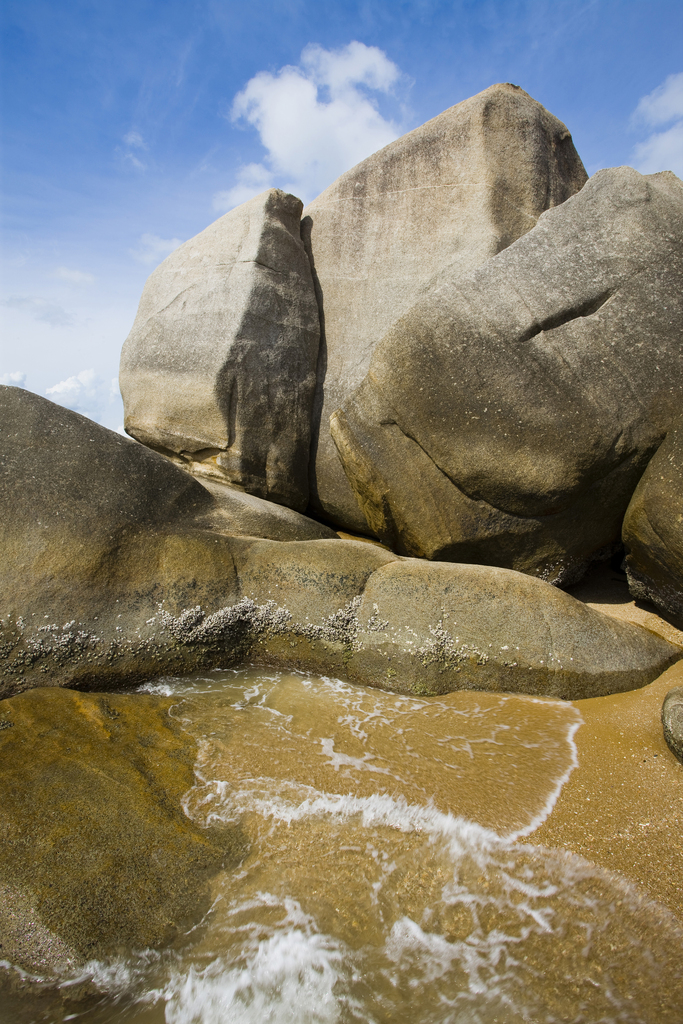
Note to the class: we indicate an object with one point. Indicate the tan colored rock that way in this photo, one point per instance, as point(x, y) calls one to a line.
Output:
point(220, 364)
point(507, 418)
point(672, 721)
point(97, 857)
point(450, 194)
point(119, 567)
point(653, 530)
point(417, 627)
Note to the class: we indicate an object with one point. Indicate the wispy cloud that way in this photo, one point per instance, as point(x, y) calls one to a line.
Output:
point(79, 277)
point(134, 141)
point(661, 150)
point(43, 310)
point(315, 120)
point(17, 379)
point(87, 393)
point(152, 249)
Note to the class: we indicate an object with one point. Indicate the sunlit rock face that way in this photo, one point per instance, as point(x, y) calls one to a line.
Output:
point(220, 364)
point(507, 417)
point(452, 193)
point(119, 566)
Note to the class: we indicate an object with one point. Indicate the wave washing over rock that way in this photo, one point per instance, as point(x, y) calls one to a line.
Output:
point(375, 888)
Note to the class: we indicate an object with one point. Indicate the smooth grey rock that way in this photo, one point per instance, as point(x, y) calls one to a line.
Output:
point(507, 417)
point(452, 193)
point(672, 721)
point(653, 530)
point(220, 363)
point(119, 567)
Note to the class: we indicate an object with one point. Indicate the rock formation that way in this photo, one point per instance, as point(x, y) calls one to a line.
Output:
point(450, 194)
point(119, 567)
point(220, 364)
point(97, 857)
point(672, 721)
point(472, 355)
point(507, 417)
point(653, 530)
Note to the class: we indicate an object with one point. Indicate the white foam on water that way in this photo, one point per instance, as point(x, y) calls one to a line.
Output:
point(468, 923)
point(286, 977)
point(554, 794)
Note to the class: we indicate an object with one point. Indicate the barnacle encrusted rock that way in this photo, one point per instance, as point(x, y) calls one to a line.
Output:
point(118, 567)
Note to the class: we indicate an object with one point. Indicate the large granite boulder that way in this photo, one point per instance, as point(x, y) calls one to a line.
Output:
point(653, 530)
point(507, 417)
point(120, 567)
point(97, 857)
point(220, 364)
point(98, 532)
point(413, 626)
point(452, 193)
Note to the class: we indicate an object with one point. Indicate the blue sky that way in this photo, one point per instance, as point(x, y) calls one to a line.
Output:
point(130, 126)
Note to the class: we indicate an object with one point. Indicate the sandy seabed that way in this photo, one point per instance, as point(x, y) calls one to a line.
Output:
point(622, 807)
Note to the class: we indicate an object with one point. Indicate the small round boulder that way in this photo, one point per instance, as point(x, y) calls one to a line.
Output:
point(672, 721)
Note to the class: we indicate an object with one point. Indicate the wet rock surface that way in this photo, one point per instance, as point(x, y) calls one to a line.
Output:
point(97, 856)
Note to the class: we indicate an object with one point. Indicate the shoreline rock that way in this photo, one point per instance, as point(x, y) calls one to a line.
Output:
point(97, 856)
point(116, 572)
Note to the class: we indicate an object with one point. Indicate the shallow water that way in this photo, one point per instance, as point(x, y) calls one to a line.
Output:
point(387, 879)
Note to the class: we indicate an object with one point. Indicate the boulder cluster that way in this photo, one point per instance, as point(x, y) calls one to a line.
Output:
point(463, 350)
point(373, 438)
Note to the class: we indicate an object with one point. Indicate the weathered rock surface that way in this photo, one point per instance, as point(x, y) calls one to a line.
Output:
point(672, 721)
point(417, 627)
point(452, 193)
point(653, 530)
point(246, 515)
point(98, 532)
point(220, 363)
point(96, 854)
point(507, 417)
point(118, 568)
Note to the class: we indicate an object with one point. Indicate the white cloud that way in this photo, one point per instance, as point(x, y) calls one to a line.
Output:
point(41, 309)
point(135, 140)
point(73, 276)
point(315, 121)
point(88, 393)
point(153, 249)
point(663, 150)
point(663, 104)
point(16, 379)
